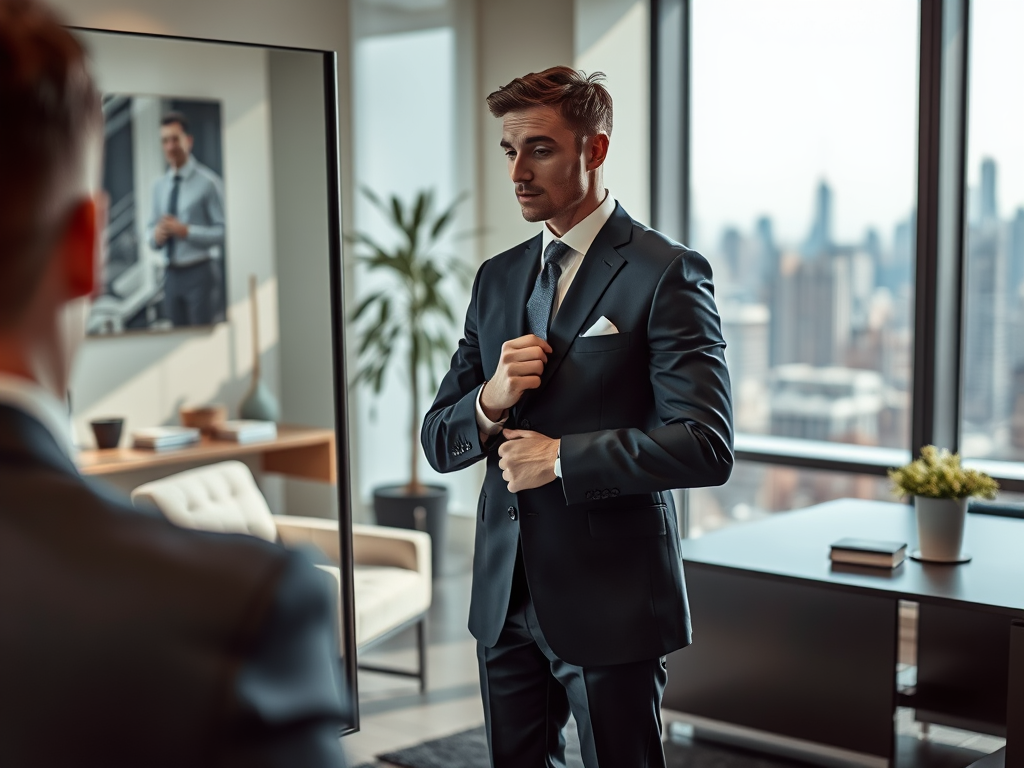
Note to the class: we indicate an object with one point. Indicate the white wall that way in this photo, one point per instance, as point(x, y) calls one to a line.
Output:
point(612, 36)
point(509, 45)
point(302, 253)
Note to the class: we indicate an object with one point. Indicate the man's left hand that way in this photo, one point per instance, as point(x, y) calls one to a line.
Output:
point(174, 227)
point(527, 459)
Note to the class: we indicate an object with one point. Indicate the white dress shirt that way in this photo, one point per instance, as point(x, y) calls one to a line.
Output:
point(200, 208)
point(42, 405)
point(579, 239)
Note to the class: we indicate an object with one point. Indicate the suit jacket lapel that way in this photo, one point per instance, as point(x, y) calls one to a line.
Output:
point(521, 277)
point(599, 267)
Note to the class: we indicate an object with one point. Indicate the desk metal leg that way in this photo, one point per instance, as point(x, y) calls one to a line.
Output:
point(1015, 699)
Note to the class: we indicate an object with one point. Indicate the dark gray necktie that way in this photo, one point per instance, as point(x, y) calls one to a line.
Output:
point(538, 307)
point(172, 210)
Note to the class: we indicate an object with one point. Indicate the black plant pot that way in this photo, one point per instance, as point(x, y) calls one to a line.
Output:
point(424, 511)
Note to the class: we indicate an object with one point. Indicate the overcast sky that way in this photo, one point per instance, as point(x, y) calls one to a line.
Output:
point(792, 91)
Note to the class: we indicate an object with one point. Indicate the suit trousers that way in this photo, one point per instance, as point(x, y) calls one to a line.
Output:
point(528, 693)
point(189, 293)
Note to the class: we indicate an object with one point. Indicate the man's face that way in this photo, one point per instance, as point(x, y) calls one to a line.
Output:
point(177, 144)
point(545, 162)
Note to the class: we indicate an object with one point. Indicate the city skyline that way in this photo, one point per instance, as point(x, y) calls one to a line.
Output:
point(832, 305)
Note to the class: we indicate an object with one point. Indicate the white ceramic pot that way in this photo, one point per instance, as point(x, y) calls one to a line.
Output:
point(940, 528)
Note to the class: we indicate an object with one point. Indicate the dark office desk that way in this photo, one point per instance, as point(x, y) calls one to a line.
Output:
point(785, 643)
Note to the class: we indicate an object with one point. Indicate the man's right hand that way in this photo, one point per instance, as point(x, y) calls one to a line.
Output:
point(519, 369)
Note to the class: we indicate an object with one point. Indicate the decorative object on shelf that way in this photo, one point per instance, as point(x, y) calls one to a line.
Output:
point(408, 318)
point(940, 487)
point(107, 432)
point(206, 418)
point(259, 403)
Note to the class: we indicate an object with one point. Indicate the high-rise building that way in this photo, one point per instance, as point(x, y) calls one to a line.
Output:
point(832, 403)
point(745, 329)
point(764, 234)
point(986, 405)
point(1016, 249)
point(819, 242)
point(813, 309)
point(988, 209)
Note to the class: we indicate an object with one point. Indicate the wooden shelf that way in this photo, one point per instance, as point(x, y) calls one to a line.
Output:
point(305, 452)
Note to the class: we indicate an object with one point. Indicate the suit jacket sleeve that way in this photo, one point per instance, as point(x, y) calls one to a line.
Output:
point(287, 702)
point(210, 232)
point(154, 217)
point(450, 434)
point(693, 447)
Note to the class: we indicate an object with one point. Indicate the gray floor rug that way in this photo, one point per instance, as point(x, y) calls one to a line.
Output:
point(468, 749)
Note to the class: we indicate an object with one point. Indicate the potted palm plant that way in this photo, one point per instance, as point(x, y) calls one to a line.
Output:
point(940, 487)
point(402, 327)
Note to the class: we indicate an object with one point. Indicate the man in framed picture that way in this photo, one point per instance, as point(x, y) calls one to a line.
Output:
point(187, 227)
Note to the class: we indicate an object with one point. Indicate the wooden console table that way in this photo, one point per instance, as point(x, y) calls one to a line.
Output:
point(304, 452)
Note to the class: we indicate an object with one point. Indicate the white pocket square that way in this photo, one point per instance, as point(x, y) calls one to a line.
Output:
point(603, 327)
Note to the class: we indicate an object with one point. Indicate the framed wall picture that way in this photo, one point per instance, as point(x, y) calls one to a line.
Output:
point(166, 251)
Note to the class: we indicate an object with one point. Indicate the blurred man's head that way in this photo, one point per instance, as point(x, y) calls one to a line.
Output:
point(51, 143)
point(556, 127)
point(175, 139)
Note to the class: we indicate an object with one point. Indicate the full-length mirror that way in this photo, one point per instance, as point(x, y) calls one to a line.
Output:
point(223, 179)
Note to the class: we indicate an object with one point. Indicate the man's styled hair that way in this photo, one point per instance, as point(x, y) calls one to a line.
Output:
point(172, 118)
point(50, 111)
point(585, 104)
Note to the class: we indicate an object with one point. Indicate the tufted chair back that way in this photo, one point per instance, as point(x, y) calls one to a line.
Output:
point(217, 497)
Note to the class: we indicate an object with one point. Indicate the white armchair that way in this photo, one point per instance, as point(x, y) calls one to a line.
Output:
point(392, 567)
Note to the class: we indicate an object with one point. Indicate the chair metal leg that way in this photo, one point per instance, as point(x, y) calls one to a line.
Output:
point(421, 646)
point(421, 651)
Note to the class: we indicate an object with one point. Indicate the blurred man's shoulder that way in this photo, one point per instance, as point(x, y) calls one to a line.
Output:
point(83, 520)
point(206, 173)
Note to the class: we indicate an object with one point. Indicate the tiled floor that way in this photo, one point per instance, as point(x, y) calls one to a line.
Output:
point(394, 715)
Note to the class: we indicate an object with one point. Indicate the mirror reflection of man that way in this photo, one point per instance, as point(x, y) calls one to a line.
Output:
point(187, 226)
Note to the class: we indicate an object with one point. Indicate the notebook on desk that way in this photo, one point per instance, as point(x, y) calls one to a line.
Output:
point(879, 554)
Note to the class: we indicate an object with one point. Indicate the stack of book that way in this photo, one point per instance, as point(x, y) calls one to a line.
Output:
point(246, 431)
point(878, 554)
point(165, 438)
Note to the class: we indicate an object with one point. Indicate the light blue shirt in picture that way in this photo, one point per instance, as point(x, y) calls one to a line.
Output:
point(200, 207)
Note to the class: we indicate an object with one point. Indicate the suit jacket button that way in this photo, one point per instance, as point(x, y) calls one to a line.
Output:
point(525, 424)
point(605, 493)
point(615, 491)
point(512, 514)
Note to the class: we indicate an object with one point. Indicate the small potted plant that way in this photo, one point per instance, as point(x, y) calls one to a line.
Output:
point(940, 487)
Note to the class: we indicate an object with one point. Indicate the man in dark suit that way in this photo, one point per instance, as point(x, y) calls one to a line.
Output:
point(592, 380)
point(124, 641)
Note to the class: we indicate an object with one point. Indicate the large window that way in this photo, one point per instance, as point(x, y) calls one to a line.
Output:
point(802, 197)
point(823, 157)
point(757, 490)
point(992, 409)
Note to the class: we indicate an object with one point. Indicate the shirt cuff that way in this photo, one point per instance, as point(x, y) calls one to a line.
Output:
point(487, 426)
